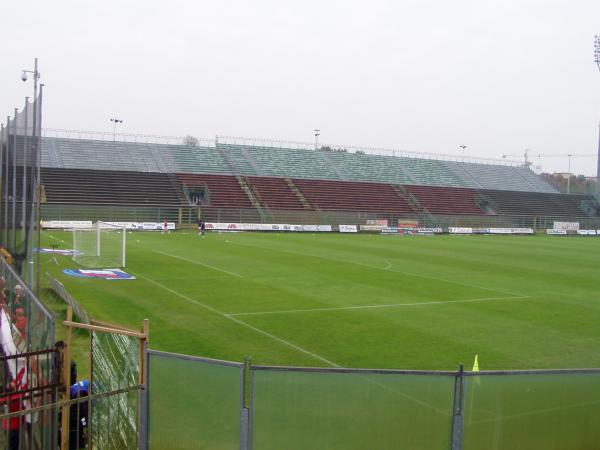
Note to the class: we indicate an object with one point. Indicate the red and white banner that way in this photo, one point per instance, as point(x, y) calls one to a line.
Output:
point(566, 226)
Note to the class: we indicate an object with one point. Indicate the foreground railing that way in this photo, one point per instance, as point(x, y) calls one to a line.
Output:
point(225, 405)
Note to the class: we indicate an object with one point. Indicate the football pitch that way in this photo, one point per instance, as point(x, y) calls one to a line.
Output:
point(339, 300)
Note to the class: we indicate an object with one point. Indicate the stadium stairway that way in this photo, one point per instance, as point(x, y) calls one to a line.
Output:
point(446, 200)
point(352, 196)
point(224, 191)
point(276, 193)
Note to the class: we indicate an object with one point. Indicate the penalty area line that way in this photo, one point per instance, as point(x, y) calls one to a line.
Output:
point(390, 305)
point(238, 321)
point(289, 344)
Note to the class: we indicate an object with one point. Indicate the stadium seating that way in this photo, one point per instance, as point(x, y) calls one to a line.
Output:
point(253, 160)
point(488, 176)
point(352, 196)
point(83, 186)
point(374, 168)
point(224, 191)
point(535, 203)
point(446, 200)
point(275, 193)
point(196, 159)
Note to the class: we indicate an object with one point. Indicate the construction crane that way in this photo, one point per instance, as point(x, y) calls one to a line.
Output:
point(528, 163)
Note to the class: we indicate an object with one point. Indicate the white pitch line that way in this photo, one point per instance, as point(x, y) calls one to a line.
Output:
point(283, 341)
point(430, 277)
point(390, 305)
point(233, 319)
point(191, 261)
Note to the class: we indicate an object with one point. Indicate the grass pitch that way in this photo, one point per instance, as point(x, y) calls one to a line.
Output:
point(409, 302)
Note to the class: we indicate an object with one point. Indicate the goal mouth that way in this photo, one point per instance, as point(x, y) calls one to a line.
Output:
point(100, 246)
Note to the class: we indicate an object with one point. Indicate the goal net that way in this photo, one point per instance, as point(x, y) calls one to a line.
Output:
point(101, 246)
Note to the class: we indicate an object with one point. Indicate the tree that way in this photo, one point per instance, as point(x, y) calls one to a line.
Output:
point(191, 141)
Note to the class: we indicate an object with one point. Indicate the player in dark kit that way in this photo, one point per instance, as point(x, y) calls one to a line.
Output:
point(201, 228)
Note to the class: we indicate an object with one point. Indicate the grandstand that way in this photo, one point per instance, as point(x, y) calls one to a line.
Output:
point(261, 181)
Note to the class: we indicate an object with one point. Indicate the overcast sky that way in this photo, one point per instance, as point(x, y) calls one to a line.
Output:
point(497, 76)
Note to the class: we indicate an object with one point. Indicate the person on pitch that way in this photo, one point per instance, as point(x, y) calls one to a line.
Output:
point(201, 228)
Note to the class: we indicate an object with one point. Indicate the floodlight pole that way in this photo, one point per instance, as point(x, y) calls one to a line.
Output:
point(597, 61)
point(317, 134)
point(36, 140)
point(115, 122)
point(463, 148)
point(569, 176)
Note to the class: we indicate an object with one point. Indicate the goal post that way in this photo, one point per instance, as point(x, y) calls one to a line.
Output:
point(102, 245)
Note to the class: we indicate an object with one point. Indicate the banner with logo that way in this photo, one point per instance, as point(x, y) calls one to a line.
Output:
point(586, 232)
point(348, 229)
point(566, 226)
point(106, 274)
point(556, 232)
point(460, 230)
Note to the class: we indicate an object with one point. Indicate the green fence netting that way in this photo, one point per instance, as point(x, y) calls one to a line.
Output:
point(194, 403)
point(299, 410)
point(532, 412)
point(115, 366)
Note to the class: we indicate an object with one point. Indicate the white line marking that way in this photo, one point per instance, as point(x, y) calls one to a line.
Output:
point(289, 344)
point(385, 269)
point(191, 261)
point(233, 319)
point(390, 305)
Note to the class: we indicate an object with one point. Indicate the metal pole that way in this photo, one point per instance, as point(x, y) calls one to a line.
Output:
point(14, 186)
point(5, 175)
point(458, 410)
point(24, 184)
point(569, 177)
point(38, 182)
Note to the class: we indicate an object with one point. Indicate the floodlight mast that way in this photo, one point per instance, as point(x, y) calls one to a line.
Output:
point(38, 187)
point(597, 61)
point(115, 122)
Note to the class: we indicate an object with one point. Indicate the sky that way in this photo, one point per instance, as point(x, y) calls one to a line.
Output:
point(497, 76)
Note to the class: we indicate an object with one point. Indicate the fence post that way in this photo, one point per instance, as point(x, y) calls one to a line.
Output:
point(144, 401)
point(244, 409)
point(458, 409)
point(64, 437)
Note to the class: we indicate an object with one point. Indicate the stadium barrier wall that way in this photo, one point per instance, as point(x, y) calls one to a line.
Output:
point(190, 215)
point(228, 405)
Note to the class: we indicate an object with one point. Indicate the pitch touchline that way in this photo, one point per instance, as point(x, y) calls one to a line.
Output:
point(390, 305)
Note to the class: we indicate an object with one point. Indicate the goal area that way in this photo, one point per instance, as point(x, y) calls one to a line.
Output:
point(100, 246)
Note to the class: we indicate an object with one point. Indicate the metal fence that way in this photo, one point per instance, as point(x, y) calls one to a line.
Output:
point(33, 322)
point(190, 215)
point(224, 405)
point(20, 152)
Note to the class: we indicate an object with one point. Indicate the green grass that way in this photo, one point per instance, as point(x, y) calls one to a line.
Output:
point(357, 300)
